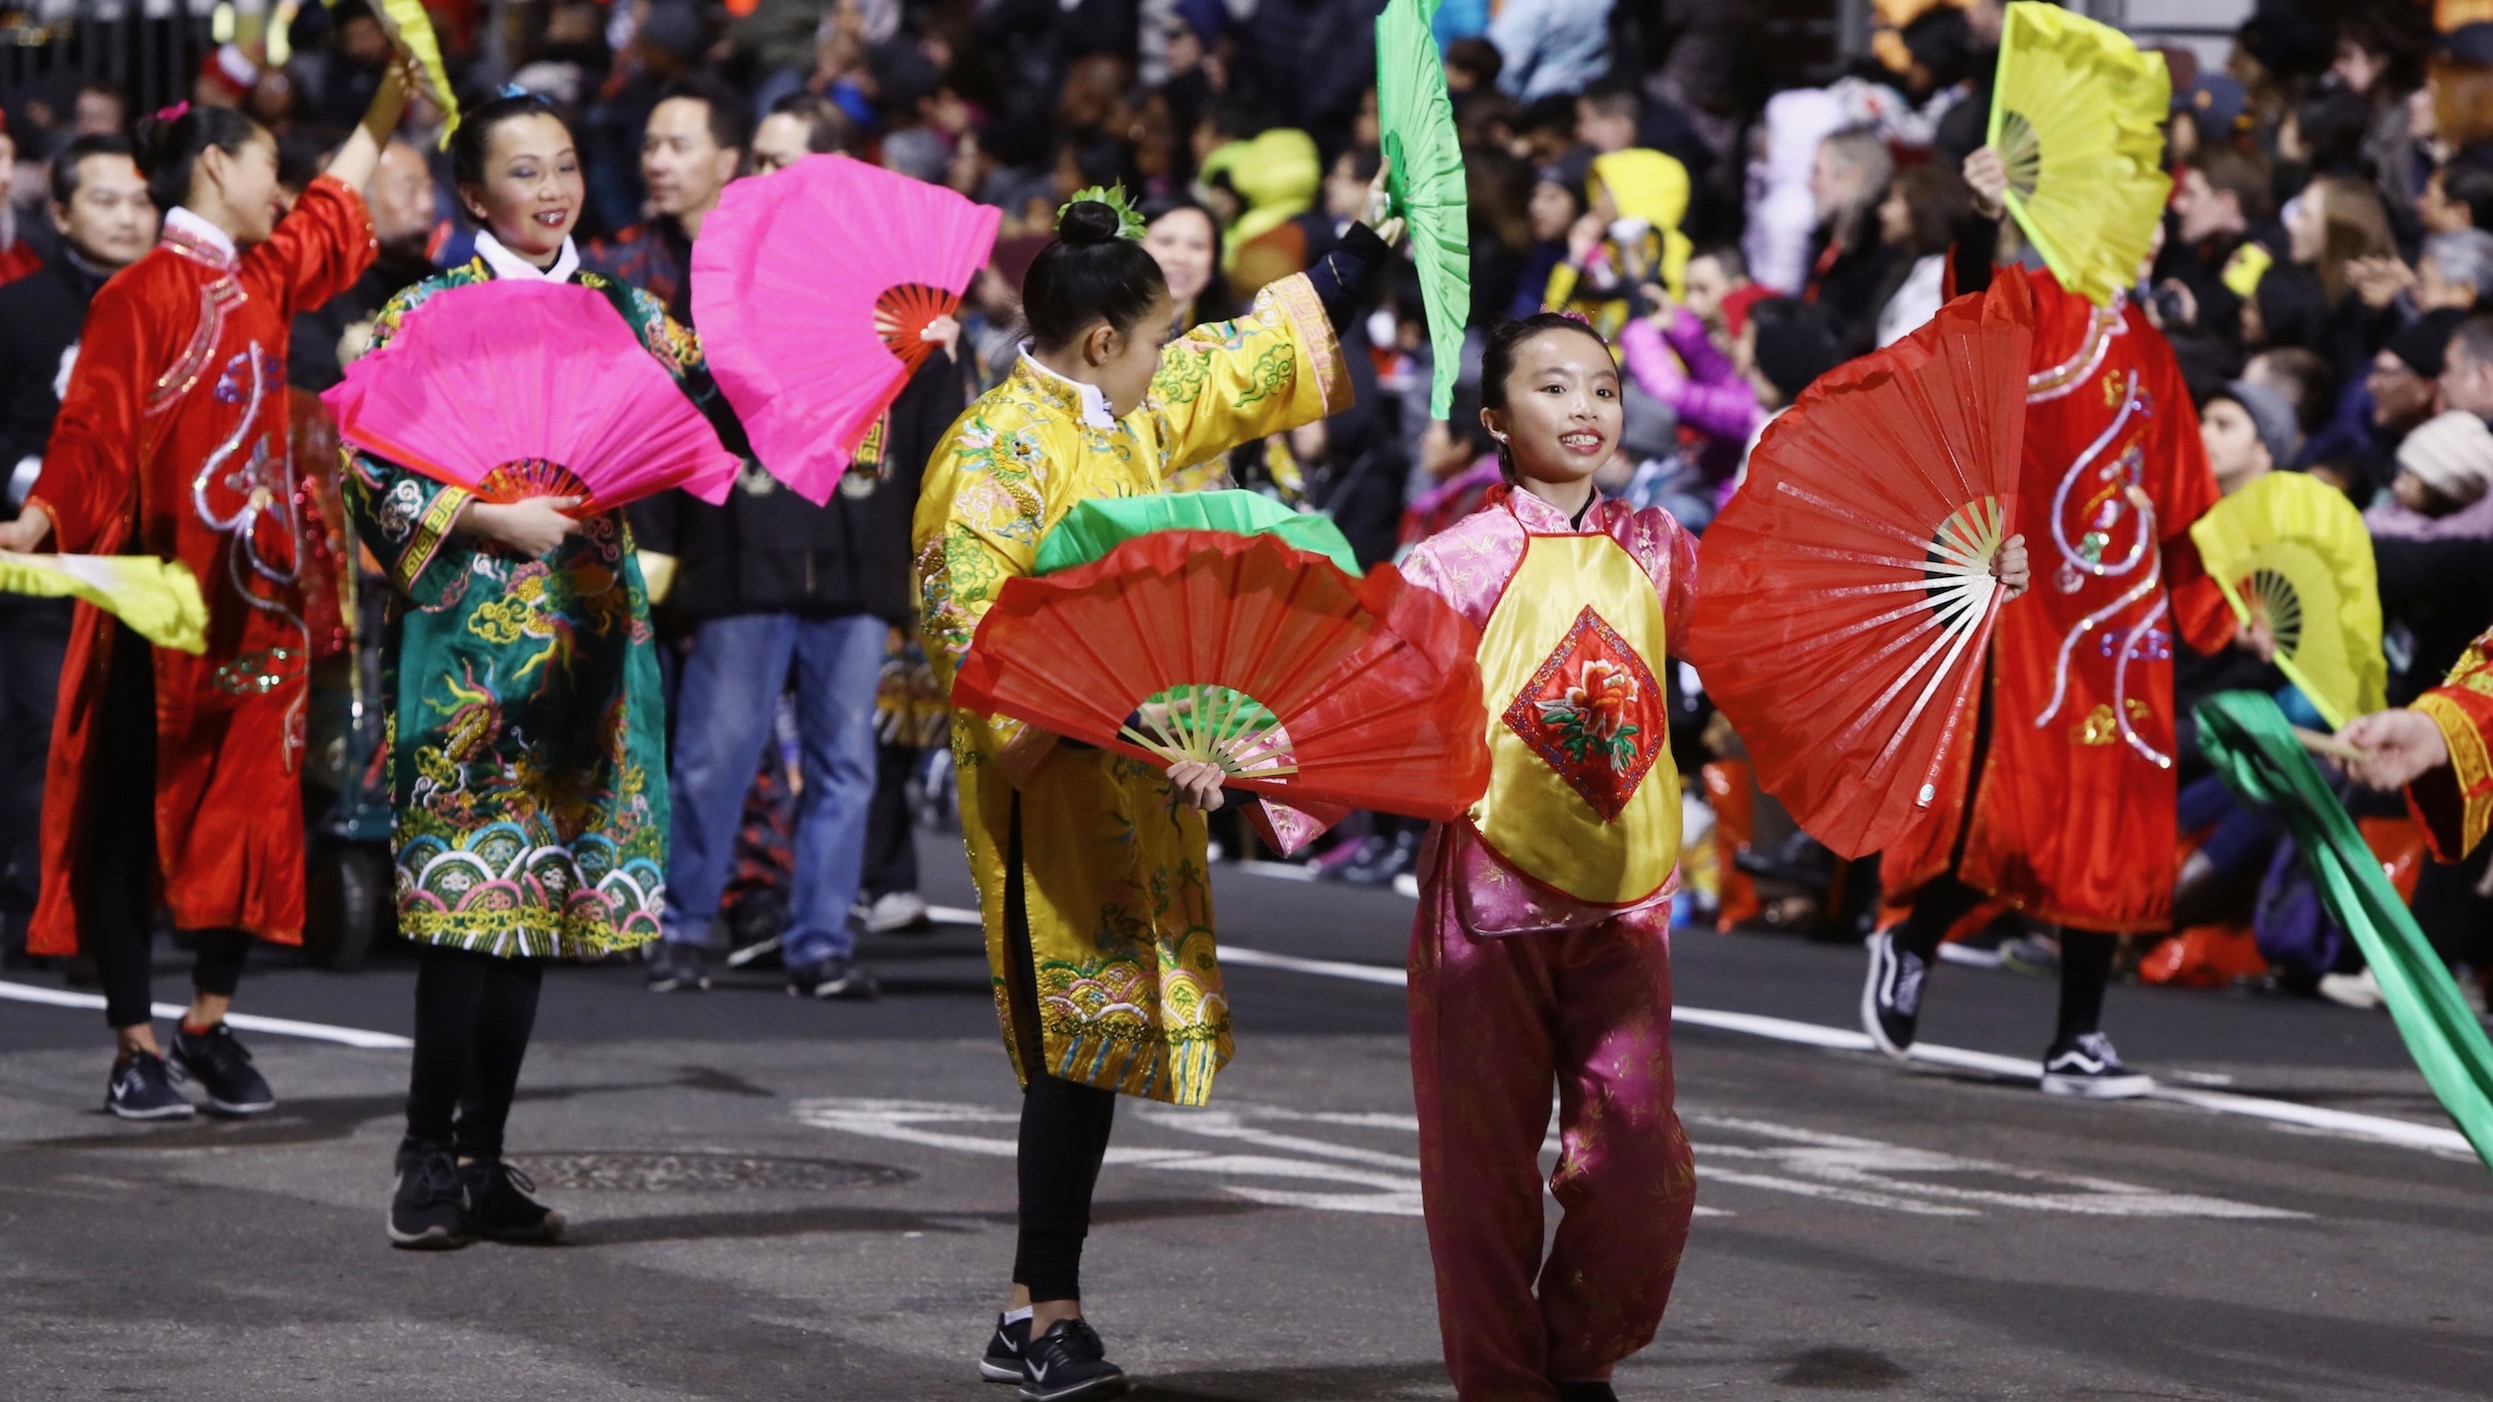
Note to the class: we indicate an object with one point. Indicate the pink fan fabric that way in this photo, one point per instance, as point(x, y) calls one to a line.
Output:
point(505, 372)
point(786, 279)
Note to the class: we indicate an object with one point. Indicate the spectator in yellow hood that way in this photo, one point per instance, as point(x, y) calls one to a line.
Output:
point(1273, 178)
point(1630, 236)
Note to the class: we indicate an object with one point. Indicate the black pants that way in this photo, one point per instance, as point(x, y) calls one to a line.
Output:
point(891, 848)
point(34, 634)
point(2085, 955)
point(1064, 1124)
point(117, 909)
point(474, 1015)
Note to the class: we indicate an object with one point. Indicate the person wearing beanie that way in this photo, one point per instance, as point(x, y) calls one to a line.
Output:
point(1785, 345)
point(2445, 465)
point(2403, 388)
point(2249, 431)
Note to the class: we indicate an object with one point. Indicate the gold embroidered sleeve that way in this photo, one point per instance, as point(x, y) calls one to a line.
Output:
point(1227, 382)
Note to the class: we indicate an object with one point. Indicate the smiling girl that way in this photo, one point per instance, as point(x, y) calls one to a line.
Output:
point(527, 761)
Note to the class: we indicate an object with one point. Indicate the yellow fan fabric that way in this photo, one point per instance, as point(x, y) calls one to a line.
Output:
point(2077, 115)
point(2291, 550)
point(413, 28)
point(158, 598)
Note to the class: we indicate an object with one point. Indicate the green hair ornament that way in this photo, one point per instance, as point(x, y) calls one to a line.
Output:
point(1129, 219)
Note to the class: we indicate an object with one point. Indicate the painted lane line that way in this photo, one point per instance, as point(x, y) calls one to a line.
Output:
point(2377, 1129)
point(240, 1022)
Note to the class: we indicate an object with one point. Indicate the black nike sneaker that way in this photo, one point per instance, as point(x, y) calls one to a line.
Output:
point(499, 1207)
point(2086, 1066)
point(221, 1065)
point(1068, 1363)
point(1891, 997)
point(141, 1088)
point(429, 1210)
point(1002, 1363)
point(677, 966)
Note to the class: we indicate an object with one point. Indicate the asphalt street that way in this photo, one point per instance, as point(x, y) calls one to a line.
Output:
point(774, 1198)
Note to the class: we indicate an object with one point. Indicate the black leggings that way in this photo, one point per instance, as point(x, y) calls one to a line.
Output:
point(117, 905)
point(474, 1013)
point(2085, 955)
point(1064, 1124)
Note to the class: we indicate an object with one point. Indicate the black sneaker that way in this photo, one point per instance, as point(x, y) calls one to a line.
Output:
point(835, 977)
point(1891, 997)
point(429, 1210)
point(2086, 1066)
point(141, 1088)
point(1586, 1392)
point(499, 1207)
point(1069, 1364)
point(676, 965)
point(221, 1064)
point(1002, 1363)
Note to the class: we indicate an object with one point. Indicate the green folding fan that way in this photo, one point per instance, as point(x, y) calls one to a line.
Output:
point(1427, 180)
point(1095, 527)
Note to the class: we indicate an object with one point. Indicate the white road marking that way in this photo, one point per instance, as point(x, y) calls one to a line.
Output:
point(1773, 1157)
point(2377, 1129)
point(240, 1022)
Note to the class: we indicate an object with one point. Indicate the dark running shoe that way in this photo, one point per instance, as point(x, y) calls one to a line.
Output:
point(1586, 1392)
point(676, 966)
point(1068, 1363)
point(1002, 1363)
point(429, 1210)
point(1891, 997)
point(2087, 1067)
point(499, 1207)
point(221, 1065)
point(835, 977)
point(141, 1088)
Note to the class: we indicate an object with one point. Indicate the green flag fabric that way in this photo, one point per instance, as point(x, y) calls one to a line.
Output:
point(1095, 527)
point(2252, 745)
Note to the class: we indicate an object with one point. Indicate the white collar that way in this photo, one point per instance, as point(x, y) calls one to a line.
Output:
point(1094, 404)
point(506, 264)
point(183, 220)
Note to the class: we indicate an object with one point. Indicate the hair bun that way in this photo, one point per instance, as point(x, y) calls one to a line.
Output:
point(1088, 222)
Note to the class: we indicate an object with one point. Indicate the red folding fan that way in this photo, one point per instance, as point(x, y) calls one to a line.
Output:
point(521, 389)
point(811, 286)
point(1844, 597)
point(1299, 680)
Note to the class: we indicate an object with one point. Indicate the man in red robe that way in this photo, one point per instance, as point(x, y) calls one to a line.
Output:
point(175, 777)
point(2069, 806)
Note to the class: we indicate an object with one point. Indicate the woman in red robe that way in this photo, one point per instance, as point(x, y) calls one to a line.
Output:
point(2069, 801)
point(172, 442)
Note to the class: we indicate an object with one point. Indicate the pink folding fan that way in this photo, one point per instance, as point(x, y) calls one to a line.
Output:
point(521, 389)
point(811, 286)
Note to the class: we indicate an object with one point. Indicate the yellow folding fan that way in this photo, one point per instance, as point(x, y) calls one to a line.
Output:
point(2291, 550)
point(2077, 115)
point(158, 598)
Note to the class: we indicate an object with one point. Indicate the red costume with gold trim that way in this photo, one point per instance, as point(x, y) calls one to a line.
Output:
point(2455, 802)
point(2072, 815)
point(172, 441)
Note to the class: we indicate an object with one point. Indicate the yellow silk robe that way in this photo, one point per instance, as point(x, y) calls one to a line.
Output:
point(1112, 872)
point(2455, 803)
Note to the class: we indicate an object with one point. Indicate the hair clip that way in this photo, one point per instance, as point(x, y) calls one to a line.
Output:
point(510, 90)
point(174, 113)
point(1129, 219)
point(1575, 316)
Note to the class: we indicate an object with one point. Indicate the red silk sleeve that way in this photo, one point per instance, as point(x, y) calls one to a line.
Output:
point(317, 250)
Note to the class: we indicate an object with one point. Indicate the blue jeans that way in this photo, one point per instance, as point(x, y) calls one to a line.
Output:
point(729, 692)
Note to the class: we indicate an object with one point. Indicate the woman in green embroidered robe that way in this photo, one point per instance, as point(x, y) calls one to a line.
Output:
point(527, 729)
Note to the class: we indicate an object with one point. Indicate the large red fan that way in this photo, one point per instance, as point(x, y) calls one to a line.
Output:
point(811, 286)
point(1844, 597)
point(1301, 681)
point(520, 389)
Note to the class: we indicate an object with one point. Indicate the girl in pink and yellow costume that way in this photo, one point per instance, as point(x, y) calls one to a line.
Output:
point(1541, 952)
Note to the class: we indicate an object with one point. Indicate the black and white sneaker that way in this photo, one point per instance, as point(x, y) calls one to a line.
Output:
point(499, 1207)
point(676, 966)
point(2086, 1066)
point(835, 977)
point(1068, 1363)
point(221, 1065)
point(1891, 997)
point(141, 1088)
point(429, 1210)
point(1002, 1363)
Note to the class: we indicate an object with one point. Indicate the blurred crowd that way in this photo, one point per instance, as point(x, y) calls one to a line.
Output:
point(2318, 273)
